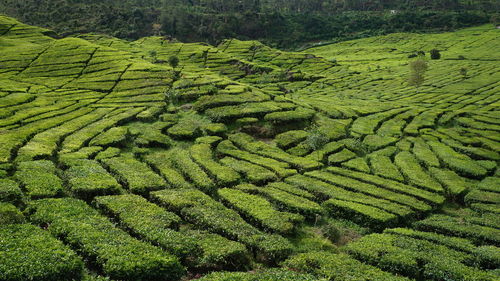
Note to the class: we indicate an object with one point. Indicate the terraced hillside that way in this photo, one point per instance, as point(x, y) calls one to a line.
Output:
point(248, 163)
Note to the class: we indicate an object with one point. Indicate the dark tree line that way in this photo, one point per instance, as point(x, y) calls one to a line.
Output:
point(282, 23)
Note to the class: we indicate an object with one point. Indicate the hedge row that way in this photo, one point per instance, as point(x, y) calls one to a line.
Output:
point(359, 186)
point(267, 275)
point(383, 166)
point(424, 154)
point(391, 185)
point(256, 109)
point(325, 191)
point(415, 174)
point(202, 155)
point(415, 258)
point(76, 140)
point(201, 210)
point(207, 102)
point(67, 159)
point(38, 178)
point(112, 137)
point(322, 153)
point(285, 200)
point(454, 184)
point(253, 173)
point(218, 253)
point(457, 226)
point(298, 115)
point(292, 190)
point(182, 161)
point(360, 213)
point(150, 222)
point(260, 211)
point(341, 156)
point(248, 143)
point(290, 138)
point(460, 163)
point(10, 192)
point(96, 237)
point(9, 214)
point(43, 145)
point(282, 169)
point(29, 253)
point(137, 176)
point(358, 164)
point(87, 179)
point(159, 160)
point(339, 267)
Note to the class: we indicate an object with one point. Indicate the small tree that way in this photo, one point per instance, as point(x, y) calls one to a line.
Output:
point(173, 61)
point(435, 54)
point(463, 72)
point(153, 55)
point(418, 68)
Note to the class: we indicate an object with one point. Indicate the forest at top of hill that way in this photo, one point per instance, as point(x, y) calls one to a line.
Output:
point(279, 23)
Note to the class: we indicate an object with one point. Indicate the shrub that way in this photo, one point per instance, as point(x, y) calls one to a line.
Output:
point(173, 61)
point(280, 168)
point(86, 179)
point(29, 253)
point(10, 192)
point(337, 267)
point(359, 186)
point(391, 185)
point(413, 257)
point(165, 168)
point(248, 143)
point(181, 160)
point(223, 175)
point(150, 222)
point(137, 176)
point(112, 137)
point(262, 275)
point(96, 237)
point(435, 54)
point(325, 191)
point(253, 173)
point(461, 227)
point(39, 179)
point(416, 175)
point(218, 252)
point(260, 210)
point(9, 214)
point(201, 210)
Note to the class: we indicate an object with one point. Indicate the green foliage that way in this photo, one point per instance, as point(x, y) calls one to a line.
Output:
point(137, 176)
point(39, 179)
point(173, 61)
point(267, 275)
point(30, 253)
point(260, 210)
point(10, 192)
point(336, 267)
point(201, 210)
point(9, 214)
point(418, 68)
point(87, 179)
point(435, 54)
point(96, 237)
point(414, 257)
point(223, 175)
point(150, 222)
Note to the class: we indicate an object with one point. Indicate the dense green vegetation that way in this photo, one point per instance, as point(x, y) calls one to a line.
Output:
point(160, 160)
point(287, 24)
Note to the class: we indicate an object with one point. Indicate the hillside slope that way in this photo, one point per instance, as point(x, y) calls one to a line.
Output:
point(247, 158)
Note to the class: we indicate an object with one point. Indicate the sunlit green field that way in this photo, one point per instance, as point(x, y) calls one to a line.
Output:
point(244, 162)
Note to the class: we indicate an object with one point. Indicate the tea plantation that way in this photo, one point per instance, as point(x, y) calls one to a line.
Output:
point(244, 162)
